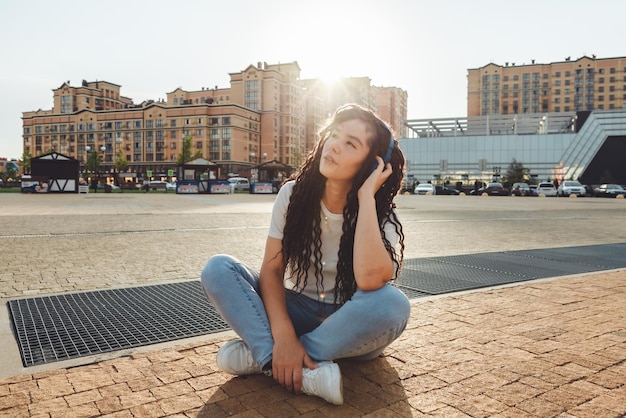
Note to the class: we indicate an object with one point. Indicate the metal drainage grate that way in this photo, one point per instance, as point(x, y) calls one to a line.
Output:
point(433, 276)
point(62, 327)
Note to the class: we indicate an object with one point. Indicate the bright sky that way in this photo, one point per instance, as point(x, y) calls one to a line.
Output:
point(151, 47)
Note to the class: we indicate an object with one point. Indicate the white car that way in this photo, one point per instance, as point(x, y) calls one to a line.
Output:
point(546, 188)
point(239, 183)
point(570, 187)
point(425, 188)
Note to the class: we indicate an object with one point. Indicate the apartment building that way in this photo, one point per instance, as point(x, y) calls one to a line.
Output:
point(323, 97)
point(266, 114)
point(149, 134)
point(584, 84)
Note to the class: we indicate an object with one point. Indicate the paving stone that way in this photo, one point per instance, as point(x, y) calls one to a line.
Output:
point(550, 348)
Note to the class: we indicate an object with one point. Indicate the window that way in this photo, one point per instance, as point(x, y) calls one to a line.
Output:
point(199, 121)
point(215, 133)
point(226, 133)
point(137, 124)
point(215, 121)
point(173, 134)
point(149, 124)
point(199, 133)
point(173, 123)
point(172, 145)
point(160, 123)
point(600, 89)
point(226, 120)
point(198, 144)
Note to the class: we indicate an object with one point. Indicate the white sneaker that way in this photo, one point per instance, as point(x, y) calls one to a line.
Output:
point(325, 382)
point(235, 357)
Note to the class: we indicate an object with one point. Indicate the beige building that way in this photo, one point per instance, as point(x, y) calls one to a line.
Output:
point(266, 114)
point(322, 98)
point(585, 84)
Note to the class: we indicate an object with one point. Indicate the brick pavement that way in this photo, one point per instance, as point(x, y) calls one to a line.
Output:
point(549, 348)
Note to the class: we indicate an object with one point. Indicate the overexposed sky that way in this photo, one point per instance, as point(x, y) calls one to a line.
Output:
point(152, 47)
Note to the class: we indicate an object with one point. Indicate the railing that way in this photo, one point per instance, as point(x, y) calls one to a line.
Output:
point(521, 124)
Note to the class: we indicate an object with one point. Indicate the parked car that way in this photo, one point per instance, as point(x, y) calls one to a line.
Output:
point(546, 188)
point(609, 190)
point(425, 188)
point(153, 185)
point(520, 189)
point(496, 189)
point(443, 190)
point(170, 186)
point(102, 186)
point(239, 183)
point(569, 187)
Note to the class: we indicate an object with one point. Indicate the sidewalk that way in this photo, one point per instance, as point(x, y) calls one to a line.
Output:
point(546, 348)
point(549, 348)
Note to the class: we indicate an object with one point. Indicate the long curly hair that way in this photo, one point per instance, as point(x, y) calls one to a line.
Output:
point(301, 238)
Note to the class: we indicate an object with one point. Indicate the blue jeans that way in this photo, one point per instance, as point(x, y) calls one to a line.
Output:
point(360, 328)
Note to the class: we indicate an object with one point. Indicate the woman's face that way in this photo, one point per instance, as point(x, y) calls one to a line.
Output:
point(345, 150)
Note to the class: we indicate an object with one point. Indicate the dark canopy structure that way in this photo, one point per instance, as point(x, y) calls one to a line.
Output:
point(58, 172)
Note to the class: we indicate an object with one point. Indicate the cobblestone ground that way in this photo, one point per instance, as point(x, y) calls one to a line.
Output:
point(549, 348)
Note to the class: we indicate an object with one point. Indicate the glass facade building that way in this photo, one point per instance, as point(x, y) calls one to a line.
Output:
point(585, 146)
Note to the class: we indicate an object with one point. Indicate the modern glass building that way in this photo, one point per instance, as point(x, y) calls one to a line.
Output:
point(585, 146)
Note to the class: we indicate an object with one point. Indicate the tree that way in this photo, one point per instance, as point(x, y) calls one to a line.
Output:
point(93, 162)
point(185, 154)
point(25, 162)
point(516, 173)
point(120, 164)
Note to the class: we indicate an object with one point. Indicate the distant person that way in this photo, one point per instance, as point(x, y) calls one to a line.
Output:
point(335, 241)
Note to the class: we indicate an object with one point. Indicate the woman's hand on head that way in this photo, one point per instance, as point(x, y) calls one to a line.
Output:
point(376, 178)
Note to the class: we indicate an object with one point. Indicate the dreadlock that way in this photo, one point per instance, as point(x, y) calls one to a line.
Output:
point(301, 237)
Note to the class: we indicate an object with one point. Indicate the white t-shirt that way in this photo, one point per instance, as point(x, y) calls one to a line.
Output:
point(331, 225)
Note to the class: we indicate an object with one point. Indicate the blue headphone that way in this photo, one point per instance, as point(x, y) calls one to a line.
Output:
point(387, 156)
